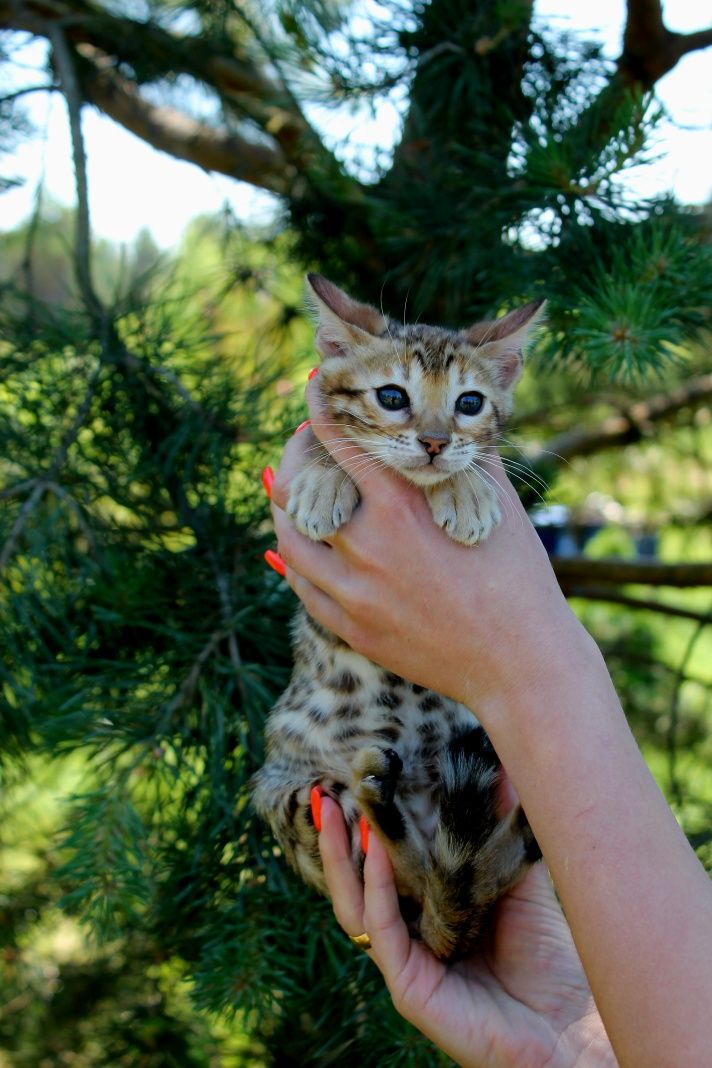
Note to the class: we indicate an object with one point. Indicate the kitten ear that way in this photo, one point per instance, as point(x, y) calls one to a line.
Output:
point(343, 322)
point(504, 340)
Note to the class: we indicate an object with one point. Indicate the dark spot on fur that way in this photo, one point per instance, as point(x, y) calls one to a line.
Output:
point(417, 689)
point(388, 734)
point(389, 679)
point(292, 805)
point(345, 682)
point(348, 710)
point(409, 908)
point(430, 702)
point(317, 715)
point(390, 820)
point(293, 733)
point(346, 734)
point(389, 699)
point(429, 732)
point(467, 804)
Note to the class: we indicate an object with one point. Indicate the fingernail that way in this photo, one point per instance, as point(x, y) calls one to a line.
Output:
point(363, 827)
point(267, 480)
point(314, 371)
point(275, 561)
point(302, 425)
point(316, 795)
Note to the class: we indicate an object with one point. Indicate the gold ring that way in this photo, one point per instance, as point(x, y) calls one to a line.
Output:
point(362, 941)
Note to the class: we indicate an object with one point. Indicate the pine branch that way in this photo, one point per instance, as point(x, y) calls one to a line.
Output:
point(39, 486)
point(70, 88)
point(572, 570)
point(650, 50)
point(221, 65)
point(169, 130)
point(647, 604)
point(631, 425)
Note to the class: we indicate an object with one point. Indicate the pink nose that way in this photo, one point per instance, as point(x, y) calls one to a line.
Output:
point(434, 443)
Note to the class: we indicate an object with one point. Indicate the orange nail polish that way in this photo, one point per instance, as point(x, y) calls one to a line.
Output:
point(363, 827)
point(314, 371)
point(275, 561)
point(315, 796)
point(302, 426)
point(267, 480)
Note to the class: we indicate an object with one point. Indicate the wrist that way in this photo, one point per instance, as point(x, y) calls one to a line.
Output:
point(539, 676)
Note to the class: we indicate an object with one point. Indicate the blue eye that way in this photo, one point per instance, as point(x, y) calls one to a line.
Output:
point(469, 403)
point(392, 398)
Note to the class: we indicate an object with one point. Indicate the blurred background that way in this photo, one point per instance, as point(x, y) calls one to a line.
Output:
point(168, 171)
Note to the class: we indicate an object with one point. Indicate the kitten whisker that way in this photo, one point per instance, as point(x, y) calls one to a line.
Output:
point(474, 469)
point(390, 333)
point(508, 506)
point(544, 452)
point(534, 490)
point(487, 336)
point(515, 465)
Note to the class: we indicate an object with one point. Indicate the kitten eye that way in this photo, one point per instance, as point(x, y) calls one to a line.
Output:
point(392, 398)
point(469, 403)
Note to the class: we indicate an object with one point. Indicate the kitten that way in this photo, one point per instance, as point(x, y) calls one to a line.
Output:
point(427, 402)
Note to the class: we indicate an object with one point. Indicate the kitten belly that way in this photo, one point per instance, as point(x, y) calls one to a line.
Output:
point(338, 703)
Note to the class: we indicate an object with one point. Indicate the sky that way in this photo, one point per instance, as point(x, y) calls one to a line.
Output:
point(132, 186)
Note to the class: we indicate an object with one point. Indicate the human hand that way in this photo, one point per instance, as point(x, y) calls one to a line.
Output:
point(522, 999)
point(394, 586)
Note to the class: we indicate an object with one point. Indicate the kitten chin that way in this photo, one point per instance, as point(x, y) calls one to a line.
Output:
point(425, 476)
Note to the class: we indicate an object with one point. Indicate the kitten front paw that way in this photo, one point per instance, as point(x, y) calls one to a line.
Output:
point(321, 499)
point(467, 512)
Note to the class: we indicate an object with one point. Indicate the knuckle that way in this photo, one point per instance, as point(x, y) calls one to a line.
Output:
point(359, 602)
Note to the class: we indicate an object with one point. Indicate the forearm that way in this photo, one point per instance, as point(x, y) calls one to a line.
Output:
point(638, 902)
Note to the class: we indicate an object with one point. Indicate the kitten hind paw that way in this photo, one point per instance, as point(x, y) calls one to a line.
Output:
point(376, 773)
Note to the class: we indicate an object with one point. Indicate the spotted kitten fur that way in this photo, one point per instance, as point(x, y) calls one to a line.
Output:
point(427, 402)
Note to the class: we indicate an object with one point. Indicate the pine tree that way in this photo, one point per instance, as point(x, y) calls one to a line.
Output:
point(141, 627)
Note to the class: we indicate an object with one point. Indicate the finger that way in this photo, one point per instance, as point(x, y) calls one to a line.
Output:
point(296, 456)
point(382, 916)
point(313, 560)
point(319, 605)
point(341, 878)
point(366, 470)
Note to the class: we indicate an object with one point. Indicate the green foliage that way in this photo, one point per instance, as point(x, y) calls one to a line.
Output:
point(144, 640)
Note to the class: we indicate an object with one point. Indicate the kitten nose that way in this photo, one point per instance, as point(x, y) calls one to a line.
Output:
point(433, 443)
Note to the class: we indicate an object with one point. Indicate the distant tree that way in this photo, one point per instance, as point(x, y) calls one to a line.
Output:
point(139, 624)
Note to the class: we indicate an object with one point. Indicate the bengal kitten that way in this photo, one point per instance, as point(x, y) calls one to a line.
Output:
point(429, 403)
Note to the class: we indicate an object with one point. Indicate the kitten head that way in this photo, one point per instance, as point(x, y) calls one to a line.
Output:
point(425, 400)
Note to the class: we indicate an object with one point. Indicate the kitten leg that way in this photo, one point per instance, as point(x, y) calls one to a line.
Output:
point(465, 506)
point(376, 773)
point(476, 857)
point(281, 795)
point(322, 497)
